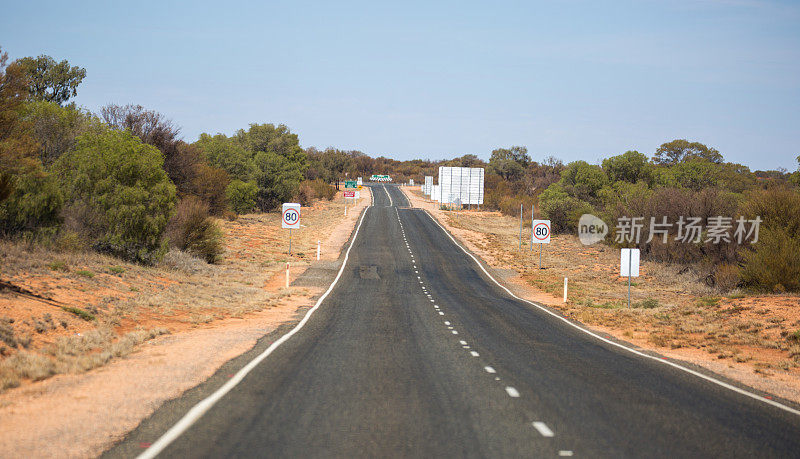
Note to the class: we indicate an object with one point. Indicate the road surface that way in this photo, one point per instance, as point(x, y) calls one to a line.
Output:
point(417, 353)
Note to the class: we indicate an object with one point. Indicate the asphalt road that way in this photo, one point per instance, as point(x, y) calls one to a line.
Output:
point(416, 352)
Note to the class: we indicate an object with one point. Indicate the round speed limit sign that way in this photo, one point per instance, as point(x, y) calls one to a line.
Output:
point(541, 231)
point(290, 216)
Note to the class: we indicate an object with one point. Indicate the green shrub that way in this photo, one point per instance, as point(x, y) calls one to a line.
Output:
point(241, 196)
point(58, 266)
point(562, 210)
point(119, 184)
point(85, 315)
point(773, 263)
point(278, 180)
point(34, 203)
point(582, 180)
point(648, 303)
point(192, 230)
point(630, 166)
point(777, 207)
point(84, 273)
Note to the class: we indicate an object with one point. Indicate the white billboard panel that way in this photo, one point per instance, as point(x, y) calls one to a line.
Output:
point(428, 187)
point(461, 185)
point(436, 193)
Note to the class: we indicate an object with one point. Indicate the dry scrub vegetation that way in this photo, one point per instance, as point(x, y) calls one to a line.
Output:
point(70, 311)
point(671, 308)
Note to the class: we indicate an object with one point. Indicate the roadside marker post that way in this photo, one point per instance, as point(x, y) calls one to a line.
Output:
point(629, 266)
point(540, 234)
point(565, 290)
point(520, 227)
point(287, 274)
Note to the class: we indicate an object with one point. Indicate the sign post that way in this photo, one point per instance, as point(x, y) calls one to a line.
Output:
point(290, 218)
point(629, 266)
point(540, 234)
point(532, 229)
point(350, 187)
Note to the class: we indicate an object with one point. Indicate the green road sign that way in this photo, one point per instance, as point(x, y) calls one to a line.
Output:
point(350, 184)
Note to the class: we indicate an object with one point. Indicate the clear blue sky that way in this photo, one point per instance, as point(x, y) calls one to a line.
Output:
point(574, 79)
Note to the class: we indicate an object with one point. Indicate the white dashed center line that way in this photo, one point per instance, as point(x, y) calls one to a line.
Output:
point(463, 343)
point(513, 393)
point(474, 354)
point(455, 332)
point(489, 370)
point(565, 453)
point(543, 429)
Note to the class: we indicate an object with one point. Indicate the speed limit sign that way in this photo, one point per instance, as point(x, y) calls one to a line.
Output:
point(541, 232)
point(290, 215)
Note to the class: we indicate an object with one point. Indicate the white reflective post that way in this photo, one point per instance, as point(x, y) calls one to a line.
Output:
point(520, 227)
point(630, 262)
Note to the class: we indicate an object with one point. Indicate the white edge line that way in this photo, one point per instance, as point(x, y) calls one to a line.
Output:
point(634, 351)
point(204, 405)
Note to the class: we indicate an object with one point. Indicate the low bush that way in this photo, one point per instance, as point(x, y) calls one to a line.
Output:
point(773, 263)
point(85, 315)
point(309, 190)
point(648, 303)
point(192, 230)
point(323, 189)
point(726, 277)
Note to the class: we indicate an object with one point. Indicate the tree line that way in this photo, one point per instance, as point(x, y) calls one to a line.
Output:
point(124, 182)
